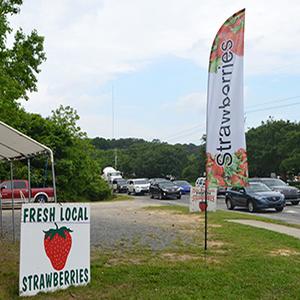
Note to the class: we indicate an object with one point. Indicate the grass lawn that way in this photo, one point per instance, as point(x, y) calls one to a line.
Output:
point(241, 263)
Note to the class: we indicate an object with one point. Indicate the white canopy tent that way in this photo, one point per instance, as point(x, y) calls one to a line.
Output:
point(15, 145)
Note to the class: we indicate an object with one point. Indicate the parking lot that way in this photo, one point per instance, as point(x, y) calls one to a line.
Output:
point(290, 214)
point(124, 221)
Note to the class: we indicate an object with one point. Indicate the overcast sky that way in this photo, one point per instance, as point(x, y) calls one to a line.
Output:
point(154, 53)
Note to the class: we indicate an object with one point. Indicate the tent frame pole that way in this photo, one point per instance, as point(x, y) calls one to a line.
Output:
point(12, 199)
point(1, 222)
point(53, 175)
point(29, 180)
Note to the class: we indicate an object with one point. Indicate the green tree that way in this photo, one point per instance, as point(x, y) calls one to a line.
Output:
point(195, 166)
point(78, 173)
point(273, 147)
point(19, 64)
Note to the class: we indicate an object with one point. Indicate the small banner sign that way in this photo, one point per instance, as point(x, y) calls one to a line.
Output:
point(54, 247)
point(197, 199)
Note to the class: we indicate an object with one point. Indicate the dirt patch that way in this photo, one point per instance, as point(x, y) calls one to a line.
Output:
point(215, 225)
point(215, 244)
point(284, 252)
point(169, 219)
point(116, 261)
point(220, 251)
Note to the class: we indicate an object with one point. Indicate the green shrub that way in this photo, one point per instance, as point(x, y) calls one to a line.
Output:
point(97, 190)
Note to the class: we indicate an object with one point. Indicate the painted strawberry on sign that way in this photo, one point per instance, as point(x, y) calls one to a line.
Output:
point(202, 206)
point(57, 244)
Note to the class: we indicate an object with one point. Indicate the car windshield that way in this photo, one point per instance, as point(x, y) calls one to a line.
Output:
point(115, 173)
point(121, 181)
point(161, 180)
point(257, 187)
point(142, 181)
point(181, 182)
point(273, 182)
point(167, 184)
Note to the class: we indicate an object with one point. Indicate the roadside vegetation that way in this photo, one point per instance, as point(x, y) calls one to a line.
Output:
point(272, 147)
point(120, 197)
point(241, 263)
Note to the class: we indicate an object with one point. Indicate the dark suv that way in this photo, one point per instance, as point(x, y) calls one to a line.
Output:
point(291, 194)
point(164, 190)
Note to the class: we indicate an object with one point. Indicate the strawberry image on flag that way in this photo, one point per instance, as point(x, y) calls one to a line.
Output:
point(226, 163)
point(57, 244)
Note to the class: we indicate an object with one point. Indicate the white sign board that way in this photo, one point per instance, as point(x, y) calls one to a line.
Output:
point(197, 199)
point(54, 248)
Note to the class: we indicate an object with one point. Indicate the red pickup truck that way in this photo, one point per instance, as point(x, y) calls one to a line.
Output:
point(21, 193)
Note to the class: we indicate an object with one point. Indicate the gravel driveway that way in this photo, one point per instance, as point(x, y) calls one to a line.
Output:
point(127, 224)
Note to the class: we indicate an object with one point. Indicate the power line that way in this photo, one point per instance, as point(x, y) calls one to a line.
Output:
point(186, 133)
point(174, 135)
point(273, 107)
point(272, 101)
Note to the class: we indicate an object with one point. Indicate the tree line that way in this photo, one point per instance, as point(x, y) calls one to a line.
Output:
point(272, 147)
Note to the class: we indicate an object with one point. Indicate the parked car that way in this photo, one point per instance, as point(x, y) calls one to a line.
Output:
point(20, 193)
point(184, 186)
point(255, 196)
point(164, 189)
point(221, 190)
point(138, 186)
point(119, 185)
point(290, 193)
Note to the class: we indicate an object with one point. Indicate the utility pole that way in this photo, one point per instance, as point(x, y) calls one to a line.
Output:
point(113, 124)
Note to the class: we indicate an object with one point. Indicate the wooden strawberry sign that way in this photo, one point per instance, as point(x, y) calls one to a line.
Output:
point(54, 248)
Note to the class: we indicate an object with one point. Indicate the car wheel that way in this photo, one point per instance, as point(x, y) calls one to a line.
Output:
point(160, 196)
point(41, 199)
point(229, 204)
point(251, 206)
point(295, 202)
point(179, 197)
point(151, 196)
point(128, 192)
point(279, 209)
